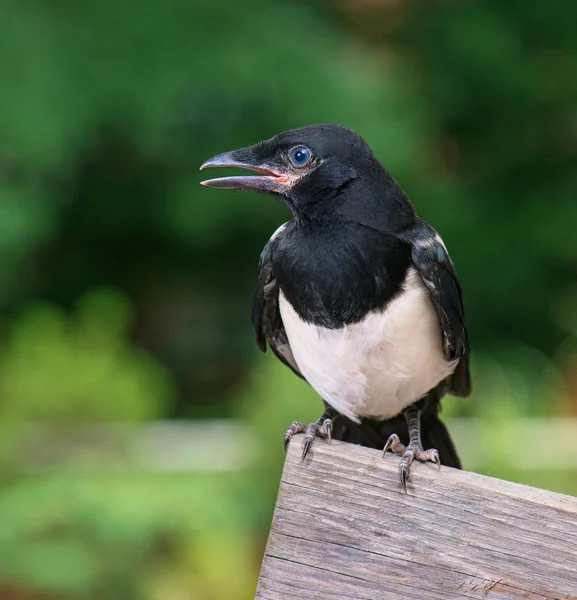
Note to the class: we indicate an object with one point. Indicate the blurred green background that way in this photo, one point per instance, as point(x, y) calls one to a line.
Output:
point(130, 387)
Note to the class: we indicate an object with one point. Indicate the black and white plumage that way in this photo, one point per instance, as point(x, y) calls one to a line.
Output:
point(356, 294)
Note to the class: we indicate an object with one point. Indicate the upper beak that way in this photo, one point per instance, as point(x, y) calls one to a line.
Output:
point(267, 182)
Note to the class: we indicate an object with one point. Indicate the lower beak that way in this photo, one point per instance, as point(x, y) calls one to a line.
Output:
point(269, 181)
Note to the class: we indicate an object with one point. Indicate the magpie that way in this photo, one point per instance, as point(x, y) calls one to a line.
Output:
point(356, 294)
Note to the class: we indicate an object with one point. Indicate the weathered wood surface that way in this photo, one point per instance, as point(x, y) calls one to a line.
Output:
point(342, 528)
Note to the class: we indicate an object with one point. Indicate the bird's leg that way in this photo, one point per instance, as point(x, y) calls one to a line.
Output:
point(415, 448)
point(322, 427)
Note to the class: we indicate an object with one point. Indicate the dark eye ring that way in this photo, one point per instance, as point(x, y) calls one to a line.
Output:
point(300, 156)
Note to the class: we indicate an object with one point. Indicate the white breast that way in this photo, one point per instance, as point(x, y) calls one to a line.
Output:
point(378, 366)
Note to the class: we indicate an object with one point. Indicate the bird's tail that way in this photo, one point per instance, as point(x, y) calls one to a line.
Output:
point(374, 434)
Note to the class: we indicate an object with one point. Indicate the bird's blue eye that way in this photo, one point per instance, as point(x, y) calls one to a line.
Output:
point(300, 156)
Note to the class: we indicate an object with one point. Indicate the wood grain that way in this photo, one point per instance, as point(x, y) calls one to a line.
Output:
point(342, 528)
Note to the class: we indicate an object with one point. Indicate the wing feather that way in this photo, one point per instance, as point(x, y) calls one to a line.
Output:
point(266, 318)
point(431, 259)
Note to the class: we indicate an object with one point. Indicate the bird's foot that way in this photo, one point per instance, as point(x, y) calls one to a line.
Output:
point(414, 451)
point(321, 428)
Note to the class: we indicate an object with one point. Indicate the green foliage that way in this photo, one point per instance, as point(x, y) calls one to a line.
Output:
point(96, 536)
point(112, 254)
point(78, 368)
point(282, 398)
point(501, 112)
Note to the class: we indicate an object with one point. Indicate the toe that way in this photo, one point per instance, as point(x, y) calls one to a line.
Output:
point(405, 466)
point(430, 455)
point(295, 427)
point(436, 459)
point(326, 430)
point(310, 434)
point(404, 473)
point(394, 444)
point(320, 428)
point(306, 447)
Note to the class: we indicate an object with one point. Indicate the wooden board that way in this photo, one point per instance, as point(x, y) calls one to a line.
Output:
point(342, 528)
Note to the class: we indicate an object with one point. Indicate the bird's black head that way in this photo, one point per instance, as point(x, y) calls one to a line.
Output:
point(318, 171)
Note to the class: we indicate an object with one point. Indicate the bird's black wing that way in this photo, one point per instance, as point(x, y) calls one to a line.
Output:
point(266, 317)
point(432, 261)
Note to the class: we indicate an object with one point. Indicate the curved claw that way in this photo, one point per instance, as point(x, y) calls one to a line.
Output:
point(310, 434)
point(404, 478)
point(306, 446)
point(311, 431)
point(414, 451)
point(392, 441)
point(436, 459)
point(405, 466)
point(328, 425)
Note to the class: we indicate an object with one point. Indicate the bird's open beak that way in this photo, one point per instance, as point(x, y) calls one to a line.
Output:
point(269, 181)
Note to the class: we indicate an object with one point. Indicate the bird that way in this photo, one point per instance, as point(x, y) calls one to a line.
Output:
point(356, 294)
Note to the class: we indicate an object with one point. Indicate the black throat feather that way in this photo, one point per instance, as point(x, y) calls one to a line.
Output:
point(333, 273)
